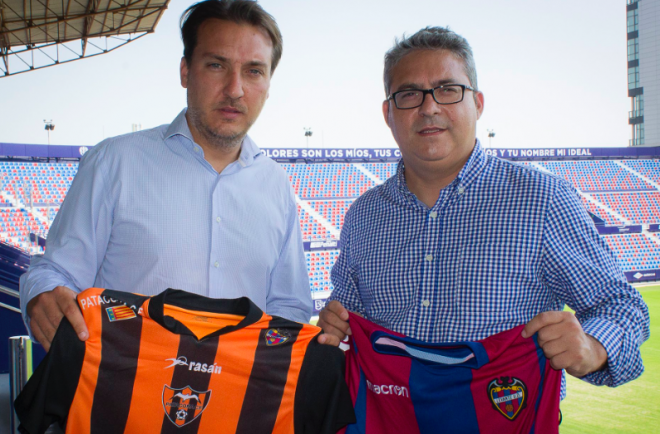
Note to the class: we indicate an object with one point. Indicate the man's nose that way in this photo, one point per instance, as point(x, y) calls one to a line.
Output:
point(429, 107)
point(234, 86)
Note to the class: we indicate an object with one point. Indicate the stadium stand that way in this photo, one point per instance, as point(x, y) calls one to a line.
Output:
point(638, 208)
point(620, 192)
point(597, 175)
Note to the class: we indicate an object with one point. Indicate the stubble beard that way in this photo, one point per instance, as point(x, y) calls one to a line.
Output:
point(220, 142)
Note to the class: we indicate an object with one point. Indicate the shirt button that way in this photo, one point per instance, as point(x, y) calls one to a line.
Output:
point(429, 258)
point(433, 214)
point(426, 303)
point(461, 190)
point(196, 149)
point(217, 264)
point(218, 219)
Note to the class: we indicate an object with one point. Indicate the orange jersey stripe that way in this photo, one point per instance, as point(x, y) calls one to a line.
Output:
point(81, 407)
point(284, 422)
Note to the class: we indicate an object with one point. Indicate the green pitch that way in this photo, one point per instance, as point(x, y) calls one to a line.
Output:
point(631, 408)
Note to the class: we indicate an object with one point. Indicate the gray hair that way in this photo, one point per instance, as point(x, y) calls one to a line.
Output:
point(430, 38)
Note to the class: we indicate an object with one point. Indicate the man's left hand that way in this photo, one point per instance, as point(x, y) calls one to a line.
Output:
point(565, 343)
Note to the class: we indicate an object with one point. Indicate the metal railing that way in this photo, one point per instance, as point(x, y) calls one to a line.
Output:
point(12, 293)
point(635, 114)
point(20, 365)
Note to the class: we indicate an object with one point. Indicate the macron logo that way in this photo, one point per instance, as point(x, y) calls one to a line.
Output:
point(388, 390)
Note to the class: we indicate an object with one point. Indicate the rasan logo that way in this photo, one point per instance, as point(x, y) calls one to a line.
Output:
point(194, 366)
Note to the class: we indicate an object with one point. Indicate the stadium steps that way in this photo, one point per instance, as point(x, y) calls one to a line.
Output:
point(319, 218)
point(604, 207)
point(587, 196)
point(636, 173)
point(371, 176)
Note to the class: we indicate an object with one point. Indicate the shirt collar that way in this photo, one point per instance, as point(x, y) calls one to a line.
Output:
point(470, 171)
point(179, 127)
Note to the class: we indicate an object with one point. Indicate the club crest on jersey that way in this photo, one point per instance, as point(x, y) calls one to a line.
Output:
point(276, 337)
point(183, 406)
point(119, 313)
point(508, 396)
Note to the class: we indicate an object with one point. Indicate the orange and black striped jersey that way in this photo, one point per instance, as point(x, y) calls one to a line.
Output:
point(182, 363)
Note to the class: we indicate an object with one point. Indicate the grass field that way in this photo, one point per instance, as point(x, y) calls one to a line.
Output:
point(631, 408)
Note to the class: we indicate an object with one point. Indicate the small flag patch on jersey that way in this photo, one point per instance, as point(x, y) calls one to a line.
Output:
point(118, 313)
point(276, 337)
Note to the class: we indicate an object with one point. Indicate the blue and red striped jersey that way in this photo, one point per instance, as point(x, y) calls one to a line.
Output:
point(501, 384)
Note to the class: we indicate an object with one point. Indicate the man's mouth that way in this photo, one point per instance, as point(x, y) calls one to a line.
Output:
point(428, 131)
point(230, 109)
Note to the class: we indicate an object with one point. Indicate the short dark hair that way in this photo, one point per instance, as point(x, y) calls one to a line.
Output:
point(431, 38)
point(237, 11)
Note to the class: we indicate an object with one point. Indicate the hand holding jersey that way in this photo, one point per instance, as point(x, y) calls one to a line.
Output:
point(333, 319)
point(560, 335)
point(47, 310)
point(565, 343)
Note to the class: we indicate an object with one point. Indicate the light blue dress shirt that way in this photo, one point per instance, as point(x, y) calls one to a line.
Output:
point(147, 212)
point(503, 243)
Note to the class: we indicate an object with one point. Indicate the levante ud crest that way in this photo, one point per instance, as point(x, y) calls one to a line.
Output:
point(508, 395)
point(276, 337)
point(182, 406)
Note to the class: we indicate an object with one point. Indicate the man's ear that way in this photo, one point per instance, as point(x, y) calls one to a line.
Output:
point(183, 70)
point(386, 112)
point(479, 101)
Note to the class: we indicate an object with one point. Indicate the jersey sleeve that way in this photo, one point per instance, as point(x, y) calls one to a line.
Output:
point(322, 404)
point(48, 394)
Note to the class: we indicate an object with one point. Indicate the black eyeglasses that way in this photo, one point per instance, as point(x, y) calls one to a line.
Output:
point(445, 94)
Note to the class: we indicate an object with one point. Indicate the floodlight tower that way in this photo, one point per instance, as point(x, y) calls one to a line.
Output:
point(491, 134)
point(50, 126)
point(308, 134)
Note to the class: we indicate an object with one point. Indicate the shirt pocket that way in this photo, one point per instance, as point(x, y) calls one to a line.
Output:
point(497, 283)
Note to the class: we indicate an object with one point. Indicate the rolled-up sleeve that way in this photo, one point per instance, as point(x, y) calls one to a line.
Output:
point(581, 270)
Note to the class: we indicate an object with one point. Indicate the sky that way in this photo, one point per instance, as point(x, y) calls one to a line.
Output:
point(553, 73)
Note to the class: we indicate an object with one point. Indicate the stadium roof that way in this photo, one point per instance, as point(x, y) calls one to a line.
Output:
point(36, 34)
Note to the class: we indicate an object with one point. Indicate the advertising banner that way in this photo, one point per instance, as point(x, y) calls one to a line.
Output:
point(654, 227)
point(310, 246)
point(642, 275)
point(318, 155)
point(623, 229)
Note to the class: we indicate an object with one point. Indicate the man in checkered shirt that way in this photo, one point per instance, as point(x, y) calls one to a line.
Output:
point(459, 245)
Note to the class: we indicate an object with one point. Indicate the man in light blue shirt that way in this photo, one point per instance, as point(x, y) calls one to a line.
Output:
point(193, 205)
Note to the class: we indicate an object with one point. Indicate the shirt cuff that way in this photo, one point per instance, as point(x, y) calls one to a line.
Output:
point(610, 336)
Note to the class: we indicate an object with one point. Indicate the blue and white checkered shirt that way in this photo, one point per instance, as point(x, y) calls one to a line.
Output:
point(503, 243)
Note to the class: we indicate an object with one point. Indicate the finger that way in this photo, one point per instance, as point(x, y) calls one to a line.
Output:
point(70, 309)
point(539, 321)
point(329, 321)
point(561, 361)
point(339, 310)
point(39, 335)
point(555, 347)
point(328, 339)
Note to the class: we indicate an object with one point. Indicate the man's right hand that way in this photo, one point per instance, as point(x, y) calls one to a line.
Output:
point(333, 319)
point(46, 311)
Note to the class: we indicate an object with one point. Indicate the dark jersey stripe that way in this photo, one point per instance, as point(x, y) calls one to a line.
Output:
point(196, 352)
point(267, 380)
point(120, 348)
